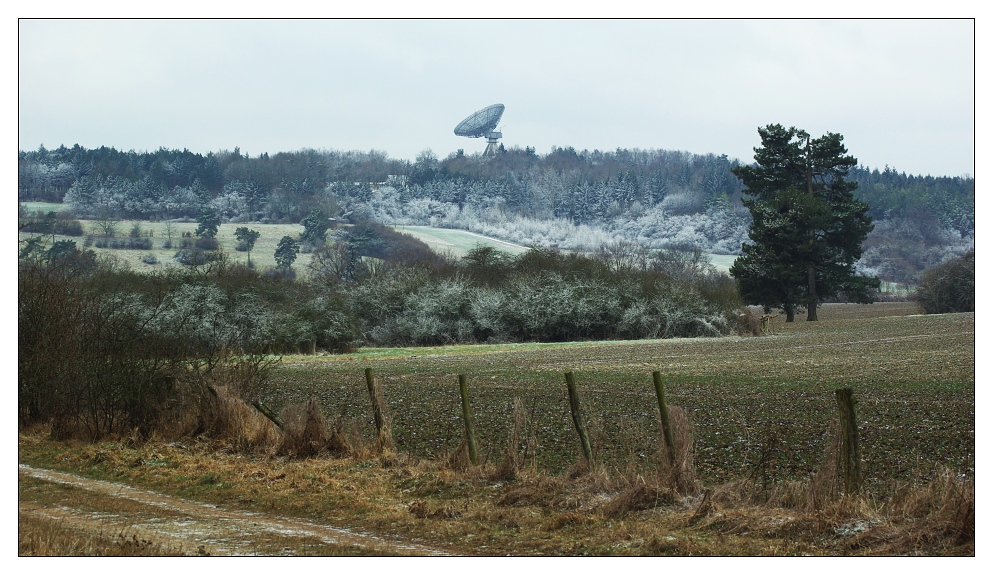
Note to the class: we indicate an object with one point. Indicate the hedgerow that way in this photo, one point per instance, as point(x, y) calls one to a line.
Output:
point(103, 349)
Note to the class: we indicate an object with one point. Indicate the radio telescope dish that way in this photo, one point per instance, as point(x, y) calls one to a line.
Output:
point(483, 123)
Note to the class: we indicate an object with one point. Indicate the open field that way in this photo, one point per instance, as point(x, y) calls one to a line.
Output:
point(262, 255)
point(457, 242)
point(43, 206)
point(442, 240)
point(913, 377)
point(722, 261)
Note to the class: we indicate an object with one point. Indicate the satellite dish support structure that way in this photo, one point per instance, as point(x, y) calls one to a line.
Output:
point(491, 143)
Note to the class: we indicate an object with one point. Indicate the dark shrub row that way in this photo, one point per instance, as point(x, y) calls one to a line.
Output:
point(104, 350)
point(949, 287)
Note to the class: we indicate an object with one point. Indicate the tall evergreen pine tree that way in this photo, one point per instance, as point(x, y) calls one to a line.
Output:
point(807, 228)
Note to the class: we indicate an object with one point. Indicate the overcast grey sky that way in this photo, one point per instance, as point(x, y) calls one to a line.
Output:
point(900, 91)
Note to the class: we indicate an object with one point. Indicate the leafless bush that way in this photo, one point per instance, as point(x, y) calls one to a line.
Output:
point(949, 287)
point(103, 350)
point(84, 362)
point(745, 323)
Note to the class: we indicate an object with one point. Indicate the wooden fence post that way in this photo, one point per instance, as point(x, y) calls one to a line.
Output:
point(378, 409)
point(470, 432)
point(851, 463)
point(577, 417)
point(670, 446)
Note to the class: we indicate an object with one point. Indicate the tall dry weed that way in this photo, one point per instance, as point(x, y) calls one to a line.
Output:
point(305, 430)
point(339, 439)
point(940, 511)
point(679, 473)
point(673, 478)
point(826, 483)
point(520, 452)
point(240, 424)
point(458, 459)
point(222, 414)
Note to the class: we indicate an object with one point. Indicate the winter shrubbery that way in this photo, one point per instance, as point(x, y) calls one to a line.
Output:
point(898, 249)
point(949, 287)
point(542, 295)
point(104, 350)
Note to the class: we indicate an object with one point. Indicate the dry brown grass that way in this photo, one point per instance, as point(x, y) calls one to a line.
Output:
point(936, 517)
point(305, 431)
point(238, 424)
point(679, 473)
point(594, 512)
point(933, 516)
point(639, 497)
point(40, 536)
point(940, 513)
point(522, 445)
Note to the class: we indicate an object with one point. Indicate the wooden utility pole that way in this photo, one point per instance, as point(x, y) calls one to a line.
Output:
point(578, 419)
point(670, 446)
point(470, 432)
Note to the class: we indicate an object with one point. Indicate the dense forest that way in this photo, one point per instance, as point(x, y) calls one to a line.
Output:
point(566, 198)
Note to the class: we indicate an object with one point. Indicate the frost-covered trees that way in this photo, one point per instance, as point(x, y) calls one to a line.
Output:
point(540, 295)
point(576, 199)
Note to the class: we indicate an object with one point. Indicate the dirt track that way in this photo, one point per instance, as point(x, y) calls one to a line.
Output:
point(198, 528)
